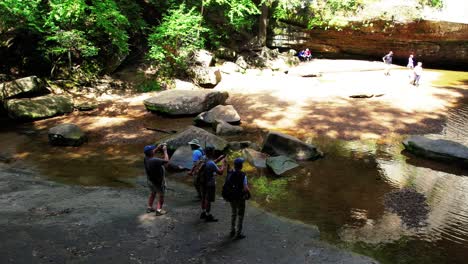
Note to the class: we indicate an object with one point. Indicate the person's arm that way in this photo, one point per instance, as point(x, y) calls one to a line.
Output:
point(166, 157)
point(220, 170)
point(246, 185)
point(219, 158)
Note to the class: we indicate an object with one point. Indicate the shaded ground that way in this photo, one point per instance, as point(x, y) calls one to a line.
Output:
point(46, 222)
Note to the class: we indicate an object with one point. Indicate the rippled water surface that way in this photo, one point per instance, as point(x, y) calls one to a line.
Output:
point(342, 194)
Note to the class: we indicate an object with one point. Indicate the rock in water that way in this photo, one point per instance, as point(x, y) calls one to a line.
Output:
point(439, 149)
point(281, 164)
point(281, 144)
point(66, 135)
point(182, 158)
point(22, 86)
point(256, 158)
point(185, 102)
point(39, 107)
point(193, 132)
point(226, 113)
point(225, 129)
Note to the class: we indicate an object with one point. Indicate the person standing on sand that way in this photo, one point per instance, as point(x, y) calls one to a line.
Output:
point(417, 73)
point(238, 179)
point(208, 183)
point(387, 59)
point(198, 157)
point(155, 173)
point(410, 62)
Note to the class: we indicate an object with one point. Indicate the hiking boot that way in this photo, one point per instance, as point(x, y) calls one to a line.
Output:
point(210, 218)
point(239, 236)
point(203, 215)
point(160, 212)
point(150, 210)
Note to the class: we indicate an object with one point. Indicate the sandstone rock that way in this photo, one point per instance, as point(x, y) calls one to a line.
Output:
point(439, 149)
point(225, 129)
point(192, 132)
point(226, 54)
point(206, 77)
point(66, 135)
point(22, 86)
point(226, 113)
point(182, 158)
point(238, 145)
point(185, 102)
point(281, 164)
point(39, 107)
point(281, 144)
point(202, 58)
point(230, 67)
point(256, 158)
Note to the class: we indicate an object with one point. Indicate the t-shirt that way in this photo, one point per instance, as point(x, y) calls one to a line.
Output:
point(388, 58)
point(155, 171)
point(210, 173)
point(418, 70)
point(197, 155)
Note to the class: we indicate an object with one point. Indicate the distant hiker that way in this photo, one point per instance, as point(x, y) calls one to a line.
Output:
point(301, 55)
point(155, 173)
point(236, 191)
point(198, 158)
point(417, 73)
point(307, 54)
point(387, 59)
point(208, 183)
point(410, 62)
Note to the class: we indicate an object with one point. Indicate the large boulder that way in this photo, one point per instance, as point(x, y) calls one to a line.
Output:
point(281, 144)
point(19, 87)
point(185, 102)
point(39, 107)
point(66, 135)
point(281, 164)
point(193, 132)
point(203, 58)
point(182, 158)
point(256, 158)
point(206, 77)
point(225, 129)
point(439, 149)
point(227, 113)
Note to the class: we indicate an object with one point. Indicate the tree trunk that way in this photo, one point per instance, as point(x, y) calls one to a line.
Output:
point(263, 24)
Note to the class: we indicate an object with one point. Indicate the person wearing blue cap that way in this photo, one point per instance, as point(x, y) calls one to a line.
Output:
point(238, 179)
point(155, 173)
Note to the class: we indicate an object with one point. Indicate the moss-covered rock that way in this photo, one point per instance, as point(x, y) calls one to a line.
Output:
point(39, 107)
point(19, 87)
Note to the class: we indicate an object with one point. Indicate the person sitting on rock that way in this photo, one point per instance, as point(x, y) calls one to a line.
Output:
point(307, 54)
point(155, 173)
point(301, 55)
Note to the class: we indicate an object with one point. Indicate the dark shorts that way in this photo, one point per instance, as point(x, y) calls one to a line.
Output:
point(209, 193)
point(157, 188)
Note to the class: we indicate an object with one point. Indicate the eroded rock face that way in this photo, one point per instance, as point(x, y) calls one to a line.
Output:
point(281, 144)
point(66, 135)
point(434, 42)
point(439, 149)
point(22, 86)
point(192, 132)
point(185, 102)
point(39, 107)
point(227, 113)
point(281, 164)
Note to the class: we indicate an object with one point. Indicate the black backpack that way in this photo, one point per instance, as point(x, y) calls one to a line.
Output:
point(232, 190)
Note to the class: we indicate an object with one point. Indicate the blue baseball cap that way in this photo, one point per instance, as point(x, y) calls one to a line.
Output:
point(148, 149)
point(238, 162)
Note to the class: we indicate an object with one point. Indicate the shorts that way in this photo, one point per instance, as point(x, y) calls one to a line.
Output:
point(155, 188)
point(209, 193)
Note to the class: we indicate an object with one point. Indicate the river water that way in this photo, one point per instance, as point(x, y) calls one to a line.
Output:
point(343, 193)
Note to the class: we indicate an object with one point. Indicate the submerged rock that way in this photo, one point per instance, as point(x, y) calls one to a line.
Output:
point(22, 86)
point(281, 164)
point(281, 144)
point(39, 107)
point(182, 158)
point(410, 205)
point(66, 135)
point(185, 102)
point(256, 158)
point(193, 132)
point(439, 149)
point(226, 113)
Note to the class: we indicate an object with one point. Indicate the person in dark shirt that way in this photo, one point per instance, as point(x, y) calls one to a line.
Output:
point(239, 179)
point(155, 173)
point(208, 183)
point(387, 59)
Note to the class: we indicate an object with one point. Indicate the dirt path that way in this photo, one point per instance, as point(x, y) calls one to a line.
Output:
point(46, 222)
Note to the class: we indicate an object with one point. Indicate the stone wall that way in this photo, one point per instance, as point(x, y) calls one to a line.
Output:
point(437, 44)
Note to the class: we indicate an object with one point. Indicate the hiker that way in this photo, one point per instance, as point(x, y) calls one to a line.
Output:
point(387, 59)
point(208, 182)
point(410, 62)
point(240, 192)
point(198, 157)
point(417, 73)
point(155, 173)
point(301, 55)
point(307, 54)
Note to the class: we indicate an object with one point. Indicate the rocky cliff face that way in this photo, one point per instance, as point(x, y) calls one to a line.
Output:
point(435, 43)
